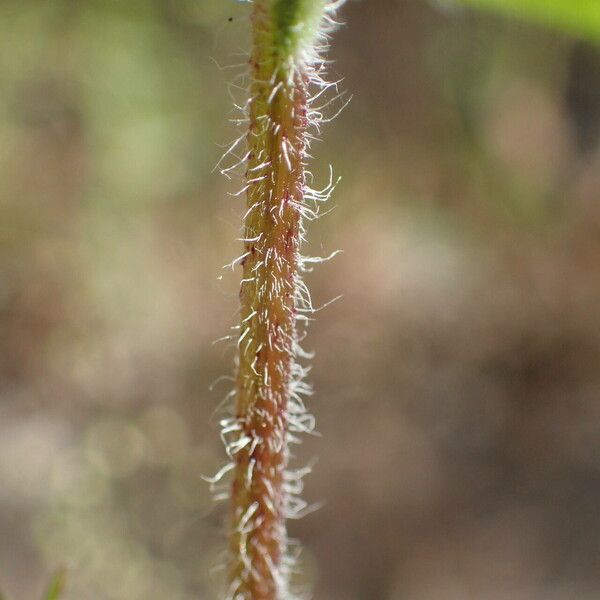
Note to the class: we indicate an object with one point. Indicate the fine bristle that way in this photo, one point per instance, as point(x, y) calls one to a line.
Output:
point(286, 81)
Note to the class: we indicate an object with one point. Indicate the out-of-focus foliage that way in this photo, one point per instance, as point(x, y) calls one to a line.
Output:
point(57, 585)
point(580, 17)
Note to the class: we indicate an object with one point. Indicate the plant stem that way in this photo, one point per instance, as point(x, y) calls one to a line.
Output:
point(268, 410)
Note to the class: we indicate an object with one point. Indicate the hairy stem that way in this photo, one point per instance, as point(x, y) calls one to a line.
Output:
point(268, 410)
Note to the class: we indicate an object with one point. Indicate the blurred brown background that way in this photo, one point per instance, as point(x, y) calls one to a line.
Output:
point(457, 380)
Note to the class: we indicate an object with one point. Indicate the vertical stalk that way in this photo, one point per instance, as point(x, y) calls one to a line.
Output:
point(268, 410)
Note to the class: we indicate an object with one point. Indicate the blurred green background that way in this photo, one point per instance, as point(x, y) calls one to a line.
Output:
point(457, 381)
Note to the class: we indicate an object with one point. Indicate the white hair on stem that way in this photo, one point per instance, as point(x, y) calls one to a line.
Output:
point(271, 275)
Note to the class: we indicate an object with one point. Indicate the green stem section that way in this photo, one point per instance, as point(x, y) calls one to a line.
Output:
point(269, 296)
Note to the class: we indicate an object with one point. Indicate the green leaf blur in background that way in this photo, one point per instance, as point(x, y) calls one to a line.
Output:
point(580, 17)
point(55, 589)
point(57, 585)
